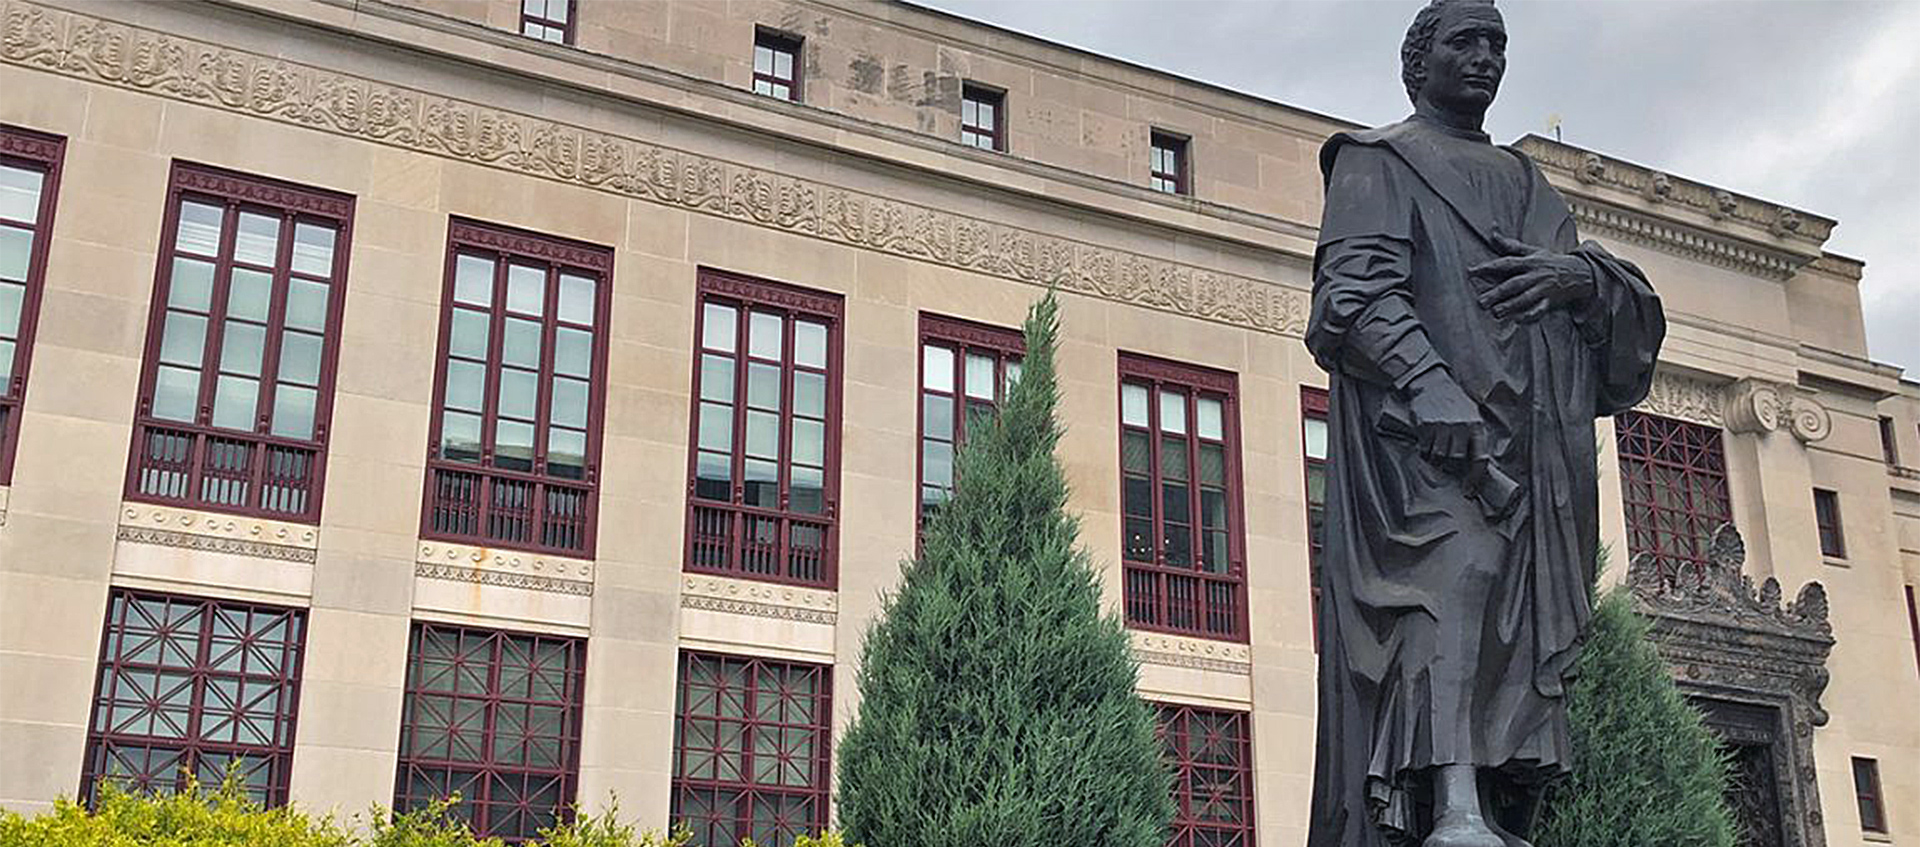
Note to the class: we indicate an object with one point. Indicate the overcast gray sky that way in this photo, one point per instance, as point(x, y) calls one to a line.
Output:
point(1810, 103)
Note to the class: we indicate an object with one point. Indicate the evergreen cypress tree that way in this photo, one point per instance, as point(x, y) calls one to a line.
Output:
point(997, 700)
point(1646, 770)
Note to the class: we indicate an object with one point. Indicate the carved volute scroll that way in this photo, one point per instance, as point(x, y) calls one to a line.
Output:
point(1732, 642)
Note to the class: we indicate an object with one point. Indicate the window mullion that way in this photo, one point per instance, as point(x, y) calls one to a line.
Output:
point(741, 363)
point(496, 361)
point(216, 315)
point(1196, 487)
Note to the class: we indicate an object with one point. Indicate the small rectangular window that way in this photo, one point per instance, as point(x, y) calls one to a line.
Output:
point(237, 387)
point(548, 20)
point(983, 117)
point(1826, 516)
point(1210, 753)
point(966, 370)
point(1168, 165)
point(750, 749)
point(1889, 444)
point(776, 65)
point(1866, 790)
point(1313, 425)
point(29, 180)
point(764, 464)
point(513, 454)
point(189, 687)
point(493, 717)
point(1913, 623)
point(1180, 494)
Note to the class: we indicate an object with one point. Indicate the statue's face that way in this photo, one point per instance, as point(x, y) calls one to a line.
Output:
point(1467, 58)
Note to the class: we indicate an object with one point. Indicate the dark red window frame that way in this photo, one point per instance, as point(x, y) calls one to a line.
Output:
point(479, 493)
point(737, 526)
point(477, 702)
point(186, 685)
point(1167, 163)
point(1174, 591)
point(1314, 409)
point(728, 711)
point(537, 20)
point(1211, 754)
point(965, 342)
point(41, 153)
point(1673, 479)
point(771, 49)
point(199, 462)
point(1913, 623)
point(1866, 793)
point(1889, 444)
point(1826, 519)
point(987, 132)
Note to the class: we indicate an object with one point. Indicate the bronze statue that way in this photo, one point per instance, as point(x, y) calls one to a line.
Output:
point(1472, 341)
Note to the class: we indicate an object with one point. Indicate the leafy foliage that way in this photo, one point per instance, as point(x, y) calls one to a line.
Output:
point(997, 701)
point(1646, 770)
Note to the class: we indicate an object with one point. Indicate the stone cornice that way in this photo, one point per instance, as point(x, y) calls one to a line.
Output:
point(1158, 648)
point(706, 592)
point(1688, 242)
point(508, 568)
point(111, 53)
point(193, 529)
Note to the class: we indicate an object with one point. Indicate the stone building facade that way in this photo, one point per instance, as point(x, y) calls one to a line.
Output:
point(533, 398)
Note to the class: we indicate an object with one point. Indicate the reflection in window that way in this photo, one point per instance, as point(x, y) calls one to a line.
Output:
point(966, 370)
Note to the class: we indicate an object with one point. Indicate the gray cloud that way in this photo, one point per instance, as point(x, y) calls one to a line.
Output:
point(1808, 103)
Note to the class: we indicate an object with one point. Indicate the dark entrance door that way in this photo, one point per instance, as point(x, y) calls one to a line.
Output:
point(1751, 735)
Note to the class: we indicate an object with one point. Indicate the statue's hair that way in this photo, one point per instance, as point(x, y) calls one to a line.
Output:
point(1413, 51)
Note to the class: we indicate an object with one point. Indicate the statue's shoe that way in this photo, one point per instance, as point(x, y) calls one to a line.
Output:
point(1464, 831)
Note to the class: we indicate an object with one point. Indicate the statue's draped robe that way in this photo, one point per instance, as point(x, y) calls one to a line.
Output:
point(1446, 635)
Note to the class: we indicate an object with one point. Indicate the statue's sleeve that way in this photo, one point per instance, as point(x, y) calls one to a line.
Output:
point(1623, 323)
point(1363, 323)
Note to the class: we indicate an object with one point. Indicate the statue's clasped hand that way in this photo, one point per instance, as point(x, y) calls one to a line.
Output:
point(1527, 281)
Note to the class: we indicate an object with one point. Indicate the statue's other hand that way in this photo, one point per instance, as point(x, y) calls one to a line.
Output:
point(1527, 281)
point(1447, 423)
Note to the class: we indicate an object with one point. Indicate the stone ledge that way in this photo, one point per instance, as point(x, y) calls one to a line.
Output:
point(1156, 648)
point(193, 529)
point(452, 561)
point(759, 599)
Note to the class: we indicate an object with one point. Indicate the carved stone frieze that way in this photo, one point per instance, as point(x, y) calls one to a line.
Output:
point(192, 71)
point(1194, 653)
point(1686, 398)
point(212, 544)
point(1730, 642)
point(508, 568)
point(1649, 231)
point(713, 593)
point(192, 529)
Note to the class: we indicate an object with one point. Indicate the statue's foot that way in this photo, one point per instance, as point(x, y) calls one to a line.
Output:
point(1463, 831)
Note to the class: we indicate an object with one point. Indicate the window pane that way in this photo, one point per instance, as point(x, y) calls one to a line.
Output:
point(762, 484)
point(460, 437)
point(1173, 457)
point(807, 493)
point(258, 240)
point(573, 352)
point(763, 435)
point(1133, 404)
point(521, 346)
point(714, 475)
point(809, 442)
point(1139, 496)
point(1173, 411)
point(762, 60)
point(307, 305)
point(11, 296)
point(199, 228)
point(764, 336)
point(1213, 465)
point(469, 334)
point(526, 289)
point(810, 344)
point(313, 249)
point(567, 453)
point(783, 64)
point(236, 400)
point(191, 286)
point(763, 386)
point(810, 394)
point(717, 326)
point(936, 416)
point(7, 349)
point(16, 248)
point(936, 463)
point(176, 393)
point(182, 341)
point(936, 364)
point(1209, 419)
point(518, 393)
point(576, 297)
point(1316, 432)
point(980, 376)
point(248, 294)
point(466, 385)
point(716, 427)
point(716, 378)
point(473, 280)
point(1136, 452)
point(293, 410)
point(513, 445)
point(241, 348)
point(569, 402)
point(20, 193)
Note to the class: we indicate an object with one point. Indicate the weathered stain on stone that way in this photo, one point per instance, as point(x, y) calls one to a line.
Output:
point(866, 74)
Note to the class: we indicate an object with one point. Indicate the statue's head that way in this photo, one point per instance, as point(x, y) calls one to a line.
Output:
point(1455, 53)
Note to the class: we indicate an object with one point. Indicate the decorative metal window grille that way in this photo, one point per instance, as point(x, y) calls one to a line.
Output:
point(514, 454)
point(1180, 491)
point(494, 717)
point(750, 749)
point(776, 65)
point(193, 688)
point(1866, 791)
point(29, 181)
point(765, 445)
point(1826, 518)
point(1313, 433)
point(1673, 477)
point(241, 346)
point(1167, 165)
point(1211, 754)
point(983, 118)
point(548, 20)
point(966, 370)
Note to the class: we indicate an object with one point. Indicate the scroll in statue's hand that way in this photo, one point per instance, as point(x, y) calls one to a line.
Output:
point(1447, 423)
point(1527, 281)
